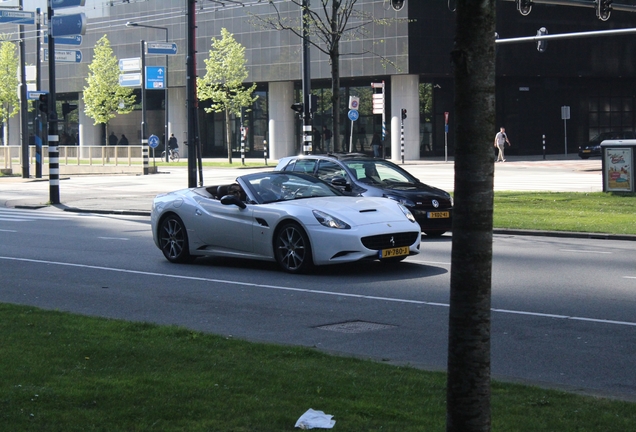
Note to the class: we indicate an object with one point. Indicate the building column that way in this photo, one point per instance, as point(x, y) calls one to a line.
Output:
point(281, 120)
point(89, 134)
point(405, 94)
point(177, 123)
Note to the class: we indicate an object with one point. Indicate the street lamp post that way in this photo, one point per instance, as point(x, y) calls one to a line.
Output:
point(165, 130)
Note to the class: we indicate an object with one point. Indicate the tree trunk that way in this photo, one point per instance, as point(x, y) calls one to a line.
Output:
point(228, 135)
point(468, 389)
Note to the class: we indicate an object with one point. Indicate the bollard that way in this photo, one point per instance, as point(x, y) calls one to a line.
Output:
point(265, 151)
point(543, 147)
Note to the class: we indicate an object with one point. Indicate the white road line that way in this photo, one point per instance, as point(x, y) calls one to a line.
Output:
point(321, 292)
point(585, 251)
point(5, 230)
point(113, 238)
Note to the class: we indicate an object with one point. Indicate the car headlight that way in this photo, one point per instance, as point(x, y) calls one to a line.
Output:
point(407, 212)
point(401, 200)
point(330, 221)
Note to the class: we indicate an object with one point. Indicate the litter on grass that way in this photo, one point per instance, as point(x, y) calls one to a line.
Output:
point(315, 419)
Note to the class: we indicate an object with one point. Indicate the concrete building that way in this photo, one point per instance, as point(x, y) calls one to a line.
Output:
point(592, 76)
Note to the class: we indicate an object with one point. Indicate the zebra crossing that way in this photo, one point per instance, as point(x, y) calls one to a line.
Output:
point(24, 215)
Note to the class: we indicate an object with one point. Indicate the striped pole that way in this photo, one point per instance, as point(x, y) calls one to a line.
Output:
point(265, 150)
point(53, 137)
point(242, 144)
point(402, 139)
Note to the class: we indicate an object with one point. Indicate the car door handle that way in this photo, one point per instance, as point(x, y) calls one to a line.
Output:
point(198, 212)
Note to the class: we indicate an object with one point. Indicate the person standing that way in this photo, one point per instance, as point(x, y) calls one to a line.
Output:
point(376, 143)
point(500, 142)
point(327, 137)
point(123, 140)
point(112, 139)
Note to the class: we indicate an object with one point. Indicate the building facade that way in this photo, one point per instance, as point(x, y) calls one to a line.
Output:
point(409, 52)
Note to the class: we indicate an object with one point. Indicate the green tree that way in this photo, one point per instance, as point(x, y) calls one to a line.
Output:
point(329, 23)
point(9, 101)
point(225, 72)
point(104, 98)
point(473, 58)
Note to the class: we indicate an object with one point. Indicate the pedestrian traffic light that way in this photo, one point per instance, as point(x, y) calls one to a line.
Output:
point(44, 102)
point(524, 6)
point(403, 113)
point(542, 45)
point(298, 107)
point(603, 9)
point(397, 4)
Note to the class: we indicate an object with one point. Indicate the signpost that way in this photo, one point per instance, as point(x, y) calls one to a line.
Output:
point(164, 48)
point(155, 77)
point(353, 116)
point(59, 4)
point(68, 40)
point(67, 56)
point(130, 79)
point(17, 17)
point(68, 25)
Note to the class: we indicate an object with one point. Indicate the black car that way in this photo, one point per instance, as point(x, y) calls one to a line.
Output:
point(593, 148)
point(358, 174)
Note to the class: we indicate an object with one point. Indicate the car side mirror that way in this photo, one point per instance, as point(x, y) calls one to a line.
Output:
point(341, 183)
point(232, 200)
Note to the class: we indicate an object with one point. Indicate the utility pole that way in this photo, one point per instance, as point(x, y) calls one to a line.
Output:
point(24, 124)
point(306, 81)
point(53, 137)
point(191, 94)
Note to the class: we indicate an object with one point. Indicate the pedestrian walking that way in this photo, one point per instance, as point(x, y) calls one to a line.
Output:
point(376, 143)
point(500, 142)
point(327, 137)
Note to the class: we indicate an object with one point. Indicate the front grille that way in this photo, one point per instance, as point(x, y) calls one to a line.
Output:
point(383, 241)
point(427, 204)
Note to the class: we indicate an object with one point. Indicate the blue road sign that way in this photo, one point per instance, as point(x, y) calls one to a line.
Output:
point(353, 115)
point(155, 77)
point(66, 56)
point(59, 4)
point(17, 17)
point(35, 95)
point(68, 40)
point(153, 141)
point(165, 48)
point(68, 25)
point(130, 79)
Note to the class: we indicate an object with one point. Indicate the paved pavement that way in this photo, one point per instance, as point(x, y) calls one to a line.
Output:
point(133, 194)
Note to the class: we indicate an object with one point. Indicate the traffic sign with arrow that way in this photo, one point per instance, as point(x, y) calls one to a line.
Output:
point(68, 25)
point(165, 48)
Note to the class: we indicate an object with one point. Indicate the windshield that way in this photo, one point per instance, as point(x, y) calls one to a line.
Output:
point(379, 172)
point(276, 186)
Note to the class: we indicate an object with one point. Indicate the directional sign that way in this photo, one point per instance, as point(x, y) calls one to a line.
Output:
point(130, 64)
point(155, 77)
point(66, 56)
point(130, 79)
point(68, 40)
point(353, 115)
point(153, 141)
point(17, 17)
point(35, 95)
point(165, 48)
point(59, 4)
point(68, 25)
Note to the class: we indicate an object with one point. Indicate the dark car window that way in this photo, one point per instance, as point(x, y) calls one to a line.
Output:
point(302, 165)
point(327, 170)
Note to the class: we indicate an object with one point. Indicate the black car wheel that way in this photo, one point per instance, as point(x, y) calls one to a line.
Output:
point(173, 239)
point(292, 249)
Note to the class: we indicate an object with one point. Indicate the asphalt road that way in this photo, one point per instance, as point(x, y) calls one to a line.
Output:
point(562, 307)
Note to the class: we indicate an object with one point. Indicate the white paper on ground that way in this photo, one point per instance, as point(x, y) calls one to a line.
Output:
point(315, 419)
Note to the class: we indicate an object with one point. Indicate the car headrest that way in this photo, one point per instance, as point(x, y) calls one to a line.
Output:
point(221, 191)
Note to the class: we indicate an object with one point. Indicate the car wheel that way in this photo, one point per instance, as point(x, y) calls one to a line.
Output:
point(292, 249)
point(434, 233)
point(173, 239)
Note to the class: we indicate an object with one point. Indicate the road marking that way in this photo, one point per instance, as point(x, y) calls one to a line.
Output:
point(311, 291)
point(113, 238)
point(4, 230)
point(585, 251)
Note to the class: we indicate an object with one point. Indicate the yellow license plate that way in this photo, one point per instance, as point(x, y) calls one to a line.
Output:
point(394, 252)
point(438, 215)
point(587, 151)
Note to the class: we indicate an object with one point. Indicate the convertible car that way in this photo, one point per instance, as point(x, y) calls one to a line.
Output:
point(294, 219)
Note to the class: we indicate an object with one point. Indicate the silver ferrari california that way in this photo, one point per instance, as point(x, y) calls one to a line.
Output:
point(294, 219)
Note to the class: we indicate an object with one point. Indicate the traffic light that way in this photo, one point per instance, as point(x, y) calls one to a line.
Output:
point(403, 114)
point(298, 107)
point(397, 4)
point(67, 108)
point(524, 6)
point(313, 103)
point(44, 103)
point(542, 45)
point(603, 9)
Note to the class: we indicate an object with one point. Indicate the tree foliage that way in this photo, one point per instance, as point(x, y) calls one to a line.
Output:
point(9, 61)
point(225, 72)
point(104, 98)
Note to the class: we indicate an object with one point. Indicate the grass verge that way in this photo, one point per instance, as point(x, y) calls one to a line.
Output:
point(65, 372)
point(597, 212)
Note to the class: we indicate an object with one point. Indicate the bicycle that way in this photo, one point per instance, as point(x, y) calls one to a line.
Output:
point(174, 155)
